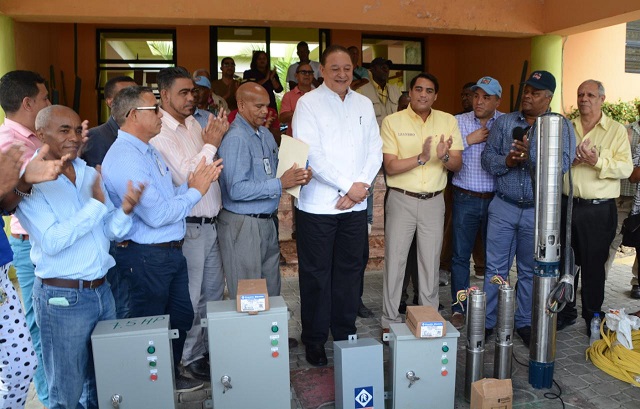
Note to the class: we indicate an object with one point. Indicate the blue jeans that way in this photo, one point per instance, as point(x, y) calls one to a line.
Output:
point(159, 285)
point(66, 340)
point(509, 234)
point(24, 272)
point(469, 215)
point(118, 278)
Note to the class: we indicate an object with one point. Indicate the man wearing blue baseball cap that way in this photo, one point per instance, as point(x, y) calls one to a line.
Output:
point(206, 101)
point(510, 155)
point(473, 187)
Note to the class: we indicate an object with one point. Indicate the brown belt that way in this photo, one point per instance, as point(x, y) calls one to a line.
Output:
point(417, 195)
point(487, 195)
point(172, 244)
point(60, 282)
point(23, 237)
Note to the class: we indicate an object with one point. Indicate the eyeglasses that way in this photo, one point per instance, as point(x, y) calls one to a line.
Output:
point(304, 72)
point(155, 108)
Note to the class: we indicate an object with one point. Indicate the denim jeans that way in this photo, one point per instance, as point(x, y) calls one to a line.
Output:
point(118, 278)
point(159, 285)
point(509, 234)
point(24, 272)
point(469, 216)
point(66, 340)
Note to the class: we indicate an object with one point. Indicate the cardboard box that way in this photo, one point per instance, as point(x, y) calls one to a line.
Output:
point(489, 393)
point(252, 296)
point(425, 322)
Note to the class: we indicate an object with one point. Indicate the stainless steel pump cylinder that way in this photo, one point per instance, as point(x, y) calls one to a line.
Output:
point(504, 332)
point(476, 314)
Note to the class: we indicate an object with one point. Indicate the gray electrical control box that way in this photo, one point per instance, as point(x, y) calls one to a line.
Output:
point(358, 372)
point(133, 361)
point(249, 356)
point(423, 369)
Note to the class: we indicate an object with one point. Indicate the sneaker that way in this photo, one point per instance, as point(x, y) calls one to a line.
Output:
point(457, 320)
point(525, 334)
point(444, 277)
point(184, 384)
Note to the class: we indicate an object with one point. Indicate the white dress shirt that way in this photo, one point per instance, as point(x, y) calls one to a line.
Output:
point(182, 148)
point(344, 146)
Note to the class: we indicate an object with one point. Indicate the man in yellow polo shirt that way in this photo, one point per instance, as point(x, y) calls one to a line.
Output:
point(419, 145)
point(603, 157)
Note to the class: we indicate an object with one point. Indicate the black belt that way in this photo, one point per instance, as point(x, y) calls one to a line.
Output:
point(523, 204)
point(263, 215)
point(62, 283)
point(417, 195)
point(486, 195)
point(201, 220)
point(579, 200)
point(171, 244)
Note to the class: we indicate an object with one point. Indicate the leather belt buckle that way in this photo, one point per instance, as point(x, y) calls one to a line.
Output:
point(424, 196)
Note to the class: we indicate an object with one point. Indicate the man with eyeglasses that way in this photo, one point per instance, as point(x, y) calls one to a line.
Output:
point(227, 86)
point(152, 250)
point(302, 49)
point(183, 143)
point(304, 76)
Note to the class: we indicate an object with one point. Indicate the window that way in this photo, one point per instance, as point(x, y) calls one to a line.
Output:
point(139, 54)
point(405, 53)
point(632, 51)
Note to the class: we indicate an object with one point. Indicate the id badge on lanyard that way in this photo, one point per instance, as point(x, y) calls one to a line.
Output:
point(267, 166)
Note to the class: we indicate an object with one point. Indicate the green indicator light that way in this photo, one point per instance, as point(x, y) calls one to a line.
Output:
point(274, 328)
point(445, 348)
point(152, 363)
point(274, 342)
point(445, 361)
point(151, 349)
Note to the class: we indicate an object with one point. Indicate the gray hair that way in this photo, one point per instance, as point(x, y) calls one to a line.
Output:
point(548, 93)
point(600, 86)
point(126, 100)
point(44, 116)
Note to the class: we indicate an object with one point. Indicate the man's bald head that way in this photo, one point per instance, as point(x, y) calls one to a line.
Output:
point(253, 103)
point(59, 127)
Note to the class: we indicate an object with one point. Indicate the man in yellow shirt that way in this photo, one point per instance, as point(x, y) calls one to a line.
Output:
point(420, 145)
point(603, 157)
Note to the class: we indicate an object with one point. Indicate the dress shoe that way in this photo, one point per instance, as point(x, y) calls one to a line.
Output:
point(488, 332)
point(292, 343)
point(525, 334)
point(364, 312)
point(564, 323)
point(402, 309)
point(199, 369)
point(444, 277)
point(457, 320)
point(184, 384)
point(316, 355)
point(635, 292)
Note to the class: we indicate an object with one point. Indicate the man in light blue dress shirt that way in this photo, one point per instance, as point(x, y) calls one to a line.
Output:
point(70, 221)
point(152, 249)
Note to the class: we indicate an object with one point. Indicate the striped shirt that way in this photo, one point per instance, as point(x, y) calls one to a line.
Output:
point(159, 216)
point(182, 148)
point(471, 176)
point(515, 183)
point(69, 229)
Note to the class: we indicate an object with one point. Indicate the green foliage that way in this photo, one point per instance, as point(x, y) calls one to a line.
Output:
point(620, 111)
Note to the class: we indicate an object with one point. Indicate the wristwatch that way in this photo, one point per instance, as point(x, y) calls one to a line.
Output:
point(421, 163)
point(445, 158)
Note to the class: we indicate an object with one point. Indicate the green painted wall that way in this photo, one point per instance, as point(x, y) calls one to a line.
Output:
point(546, 54)
point(7, 50)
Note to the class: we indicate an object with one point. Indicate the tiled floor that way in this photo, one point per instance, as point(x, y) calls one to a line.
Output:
point(583, 385)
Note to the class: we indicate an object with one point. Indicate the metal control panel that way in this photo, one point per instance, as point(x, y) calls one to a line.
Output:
point(249, 356)
point(133, 362)
point(423, 369)
point(358, 374)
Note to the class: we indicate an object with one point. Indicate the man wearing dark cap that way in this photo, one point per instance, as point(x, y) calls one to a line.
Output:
point(384, 96)
point(509, 155)
point(472, 188)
